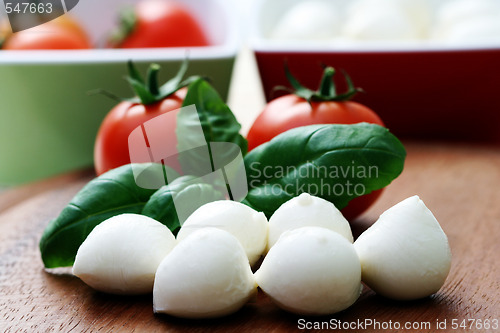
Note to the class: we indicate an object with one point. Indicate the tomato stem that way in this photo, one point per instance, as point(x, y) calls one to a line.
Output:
point(149, 92)
point(127, 23)
point(105, 93)
point(327, 90)
point(327, 86)
point(152, 78)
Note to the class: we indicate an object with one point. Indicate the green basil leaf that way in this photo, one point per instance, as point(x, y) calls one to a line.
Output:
point(335, 162)
point(218, 124)
point(113, 193)
point(189, 194)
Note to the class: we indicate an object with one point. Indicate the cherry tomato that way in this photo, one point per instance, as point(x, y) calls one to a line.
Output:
point(5, 32)
point(360, 204)
point(62, 33)
point(307, 107)
point(68, 23)
point(292, 111)
point(111, 148)
point(156, 23)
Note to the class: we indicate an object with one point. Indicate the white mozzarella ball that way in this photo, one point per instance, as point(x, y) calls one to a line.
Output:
point(387, 20)
point(421, 14)
point(456, 12)
point(468, 21)
point(405, 255)
point(309, 20)
point(247, 225)
point(206, 275)
point(307, 210)
point(121, 254)
point(476, 31)
point(311, 271)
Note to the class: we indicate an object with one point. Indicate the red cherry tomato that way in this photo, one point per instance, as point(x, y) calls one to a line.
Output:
point(111, 147)
point(5, 32)
point(62, 33)
point(156, 23)
point(306, 107)
point(292, 111)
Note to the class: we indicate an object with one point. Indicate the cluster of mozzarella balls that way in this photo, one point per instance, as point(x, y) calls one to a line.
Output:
point(443, 21)
point(311, 265)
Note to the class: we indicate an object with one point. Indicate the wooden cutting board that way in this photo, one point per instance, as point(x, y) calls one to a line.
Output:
point(460, 184)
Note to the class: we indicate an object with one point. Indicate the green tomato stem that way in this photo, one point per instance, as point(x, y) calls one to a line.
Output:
point(148, 91)
point(327, 86)
point(127, 23)
point(152, 79)
point(327, 90)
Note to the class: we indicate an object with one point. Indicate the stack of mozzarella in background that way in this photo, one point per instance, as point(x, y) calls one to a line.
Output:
point(311, 265)
point(454, 22)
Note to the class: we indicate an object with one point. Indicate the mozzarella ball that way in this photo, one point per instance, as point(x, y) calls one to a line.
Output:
point(476, 31)
point(307, 210)
point(247, 225)
point(420, 13)
point(309, 20)
point(454, 13)
point(311, 271)
point(387, 20)
point(405, 255)
point(468, 21)
point(206, 275)
point(121, 254)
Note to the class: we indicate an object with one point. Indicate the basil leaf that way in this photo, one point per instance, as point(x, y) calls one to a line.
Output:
point(335, 162)
point(217, 120)
point(188, 194)
point(218, 124)
point(113, 193)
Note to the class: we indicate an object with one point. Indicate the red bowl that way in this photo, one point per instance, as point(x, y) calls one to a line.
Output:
point(425, 89)
point(430, 94)
point(419, 94)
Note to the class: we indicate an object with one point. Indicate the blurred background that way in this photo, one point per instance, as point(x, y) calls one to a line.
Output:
point(429, 68)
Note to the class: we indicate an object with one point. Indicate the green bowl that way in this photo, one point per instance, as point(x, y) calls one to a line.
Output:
point(49, 121)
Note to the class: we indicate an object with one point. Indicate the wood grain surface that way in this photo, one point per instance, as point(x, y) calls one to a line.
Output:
point(460, 184)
